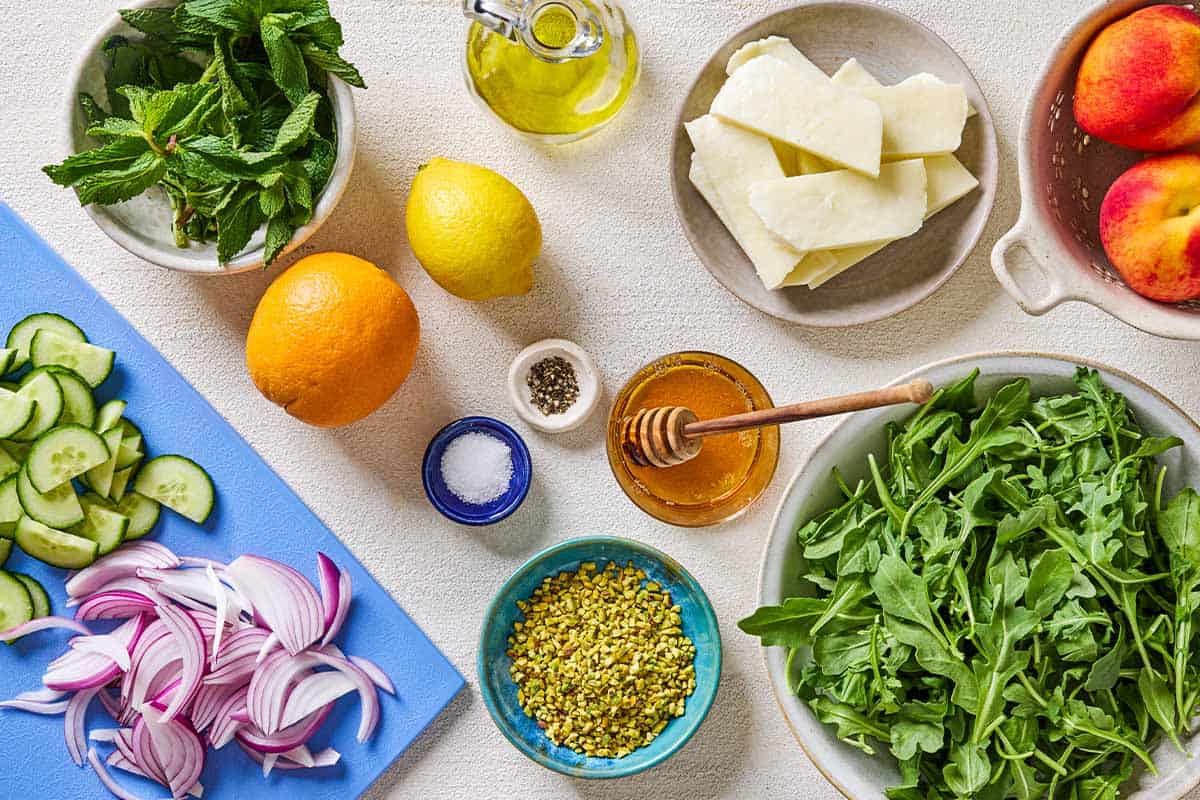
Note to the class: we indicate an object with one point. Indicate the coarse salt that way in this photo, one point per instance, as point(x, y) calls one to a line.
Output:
point(477, 468)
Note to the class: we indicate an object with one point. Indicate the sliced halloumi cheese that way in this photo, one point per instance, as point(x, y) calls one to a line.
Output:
point(922, 116)
point(812, 264)
point(733, 159)
point(778, 47)
point(947, 182)
point(833, 210)
point(773, 98)
point(853, 75)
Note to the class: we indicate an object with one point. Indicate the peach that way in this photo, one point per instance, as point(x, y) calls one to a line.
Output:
point(1150, 226)
point(1139, 82)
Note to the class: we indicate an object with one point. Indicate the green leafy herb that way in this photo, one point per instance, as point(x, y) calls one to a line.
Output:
point(222, 105)
point(1006, 602)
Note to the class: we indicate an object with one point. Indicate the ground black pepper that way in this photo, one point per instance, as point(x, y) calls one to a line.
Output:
point(553, 386)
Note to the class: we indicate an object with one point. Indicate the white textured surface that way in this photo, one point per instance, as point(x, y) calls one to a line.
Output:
point(617, 276)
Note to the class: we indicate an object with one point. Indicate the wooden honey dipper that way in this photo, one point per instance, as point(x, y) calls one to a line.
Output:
point(670, 435)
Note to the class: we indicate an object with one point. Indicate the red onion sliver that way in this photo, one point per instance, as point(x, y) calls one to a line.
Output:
point(269, 644)
point(270, 686)
point(287, 738)
point(106, 645)
point(312, 692)
point(104, 734)
point(75, 671)
point(283, 597)
point(377, 676)
point(120, 792)
point(222, 606)
point(238, 656)
point(326, 758)
point(225, 726)
point(41, 695)
point(269, 763)
point(178, 750)
point(208, 703)
point(36, 707)
point(190, 642)
point(122, 563)
point(114, 604)
point(369, 711)
point(343, 608)
point(42, 624)
point(73, 721)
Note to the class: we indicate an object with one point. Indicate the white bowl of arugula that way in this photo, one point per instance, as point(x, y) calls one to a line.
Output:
point(994, 596)
point(211, 136)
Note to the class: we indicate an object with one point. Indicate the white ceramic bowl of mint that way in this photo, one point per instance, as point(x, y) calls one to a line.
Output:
point(892, 46)
point(585, 372)
point(1064, 177)
point(855, 774)
point(143, 225)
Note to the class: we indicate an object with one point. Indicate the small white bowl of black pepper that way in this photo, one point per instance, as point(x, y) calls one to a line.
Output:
point(554, 385)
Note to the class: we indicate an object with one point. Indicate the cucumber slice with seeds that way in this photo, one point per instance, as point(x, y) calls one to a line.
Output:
point(18, 450)
point(78, 404)
point(8, 465)
point(178, 483)
point(120, 482)
point(10, 507)
point(93, 363)
point(41, 600)
point(16, 411)
point(100, 478)
point(16, 606)
point(54, 547)
point(101, 524)
point(143, 514)
point(109, 415)
point(127, 456)
point(63, 453)
point(21, 336)
point(57, 508)
point(48, 396)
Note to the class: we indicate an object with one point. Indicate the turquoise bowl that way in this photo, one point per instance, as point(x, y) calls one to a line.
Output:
point(500, 693)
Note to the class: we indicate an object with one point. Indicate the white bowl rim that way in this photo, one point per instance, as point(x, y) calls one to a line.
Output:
point(1029, 231)
point(345, 117)
point(824, 440)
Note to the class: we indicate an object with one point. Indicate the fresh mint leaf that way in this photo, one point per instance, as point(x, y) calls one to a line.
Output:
point(295, 130)
point(114, 127)
point(231, 15)
point(116, 185)
point(235, 90)
point(211, 158)
point(326, 35)
point(115, 155)
point(319, 162)
point(334, 64)
point(236, 223)
point(160, 23)
point(279, 233)
point(287, 63)
point(272, 200)
point(92, 111)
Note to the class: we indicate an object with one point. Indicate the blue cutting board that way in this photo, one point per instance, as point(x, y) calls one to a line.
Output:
point(256, 512)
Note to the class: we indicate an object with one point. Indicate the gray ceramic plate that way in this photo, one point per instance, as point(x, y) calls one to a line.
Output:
point(893, 47)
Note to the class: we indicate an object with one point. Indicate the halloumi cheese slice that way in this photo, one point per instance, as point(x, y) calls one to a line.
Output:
point(833, 210)
point(948, 181)
point(853, 75)
point(922, 116)
point(773, 98)
point(733, 159)
point(814, 264)
point(780, 48)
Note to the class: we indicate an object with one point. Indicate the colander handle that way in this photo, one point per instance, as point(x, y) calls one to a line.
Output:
point(1021, 238)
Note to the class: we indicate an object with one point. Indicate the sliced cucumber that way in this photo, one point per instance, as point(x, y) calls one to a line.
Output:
point(41, 600)
point(16, 606)
point(109, 415)
point(93, 363)
point(48, 396)
point(178, 483)
point(58, 508)
point(8, 465)
point(142, 512)
point(100, 478)
point(10, 507)
point(63, 453)
point(8, 360)
point(16, 411)
point(6, 546)
point(18, 450)
point(132, 432)
point(21, 336)
point(120, 483)
point(78, 404)
point(127, 456)
point(54, 547)
point(102, 525)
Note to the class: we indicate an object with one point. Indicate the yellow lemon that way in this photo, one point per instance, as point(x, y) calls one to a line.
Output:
point(473, 231)
point(332, 339)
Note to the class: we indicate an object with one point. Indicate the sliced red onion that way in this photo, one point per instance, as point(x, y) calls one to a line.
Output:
point(226, 726)
point(369, 700)
point(42, 624)
point(270, 685)
point(377, 676)
point(222, 606)
point(127, 584)
point(285, 600)
point(269, 644)
point(114, 604)
point(104, 734)
point(37, 707)
point(177, 749)
point(268, 764)
point(208, 703)
point(335, 596)
point(190, 643)
point(76, 671)
point(106, 645)
point(311, 693)
point(238, 656)
point(41, 695)
point(122, 563)
point(73, 720)
point(343, 608)
point(326, 758)
point(287, 738)
point(120, 792)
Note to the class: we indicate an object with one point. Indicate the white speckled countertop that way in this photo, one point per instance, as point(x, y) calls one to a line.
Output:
point(610, 228)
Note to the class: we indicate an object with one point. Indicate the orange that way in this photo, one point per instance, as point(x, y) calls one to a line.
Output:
point(332, 339)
